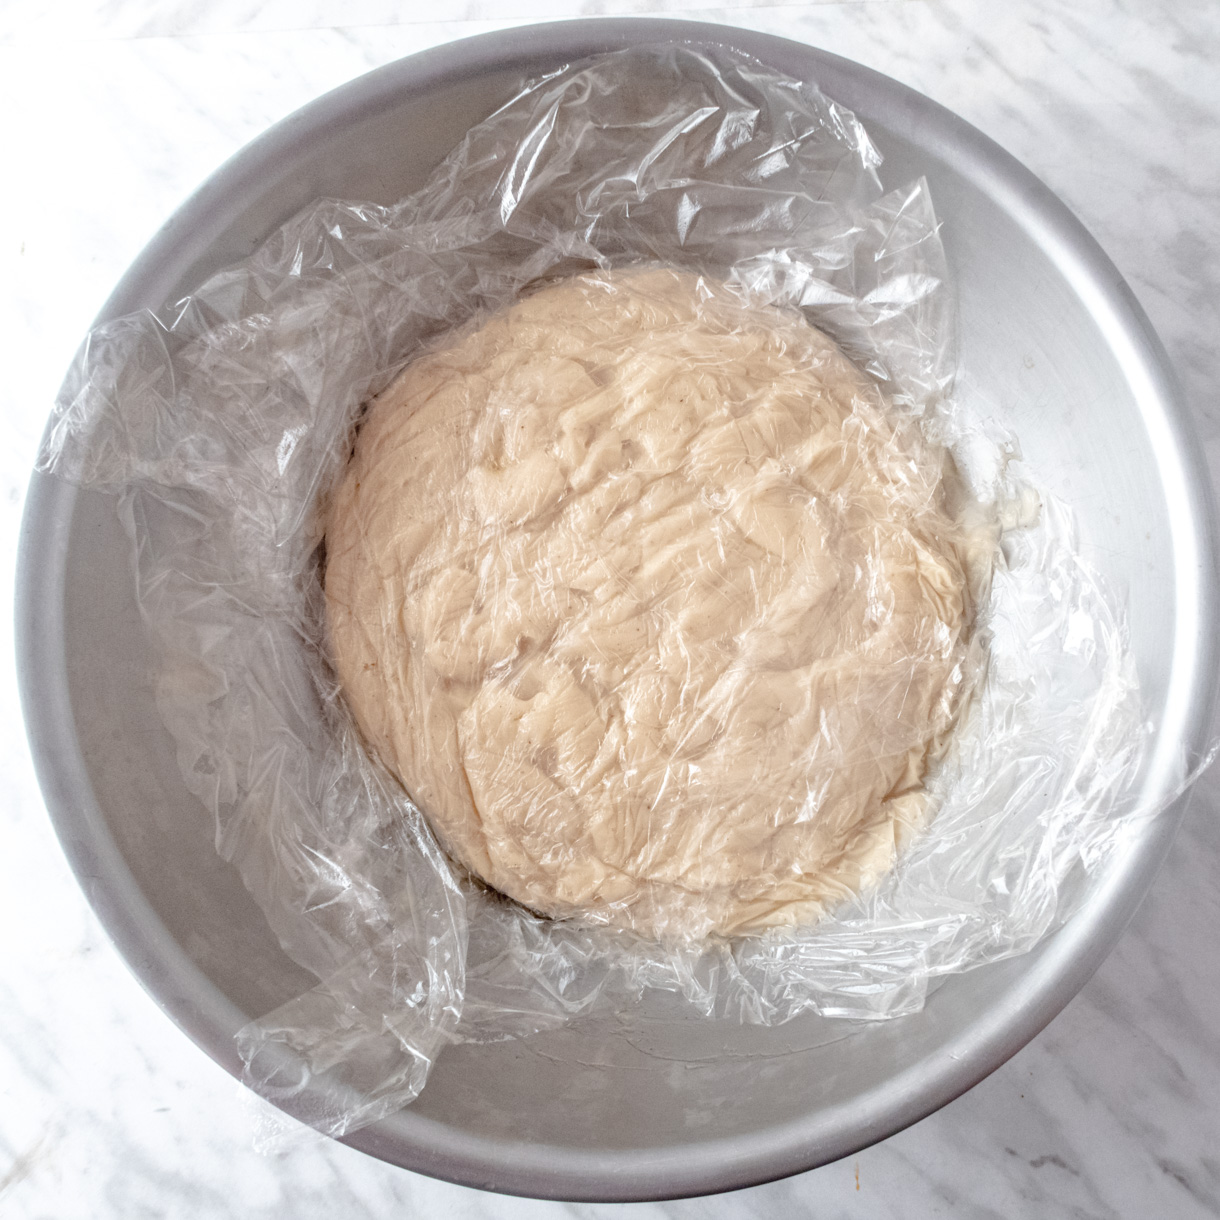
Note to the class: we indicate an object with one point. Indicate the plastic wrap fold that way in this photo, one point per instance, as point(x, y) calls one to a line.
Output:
point(226, 419)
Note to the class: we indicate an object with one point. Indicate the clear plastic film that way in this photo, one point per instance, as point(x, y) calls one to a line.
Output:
point(227, 420)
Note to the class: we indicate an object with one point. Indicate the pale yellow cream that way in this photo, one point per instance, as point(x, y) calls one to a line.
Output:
point(653, 604)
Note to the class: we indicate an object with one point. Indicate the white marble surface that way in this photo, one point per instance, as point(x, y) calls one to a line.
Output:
point(113, 113)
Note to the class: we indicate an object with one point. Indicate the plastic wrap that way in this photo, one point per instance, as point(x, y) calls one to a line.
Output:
point(226, 421)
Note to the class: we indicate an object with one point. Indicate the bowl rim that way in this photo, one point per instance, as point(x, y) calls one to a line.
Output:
point(1066, 961)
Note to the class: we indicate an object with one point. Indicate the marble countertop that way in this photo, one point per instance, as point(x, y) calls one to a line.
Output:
point(114, 113)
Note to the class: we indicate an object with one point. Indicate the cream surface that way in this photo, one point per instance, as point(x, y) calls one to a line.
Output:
point(1113, 1110)
point(653, 604)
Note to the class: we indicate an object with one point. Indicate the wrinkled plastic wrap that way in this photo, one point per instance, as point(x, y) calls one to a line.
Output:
point(226, 421)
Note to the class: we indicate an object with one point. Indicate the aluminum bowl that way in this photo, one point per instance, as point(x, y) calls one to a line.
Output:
point(657, 1103)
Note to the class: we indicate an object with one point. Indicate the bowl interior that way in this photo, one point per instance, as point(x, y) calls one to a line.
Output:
point(650, 1102)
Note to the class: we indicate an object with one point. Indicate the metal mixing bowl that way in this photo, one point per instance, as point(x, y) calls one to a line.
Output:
point(656, 1103)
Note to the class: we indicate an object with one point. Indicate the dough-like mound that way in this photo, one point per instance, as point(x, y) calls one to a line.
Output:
point(653, 605)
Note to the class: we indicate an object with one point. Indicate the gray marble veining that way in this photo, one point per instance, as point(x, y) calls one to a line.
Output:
point(106, 1110)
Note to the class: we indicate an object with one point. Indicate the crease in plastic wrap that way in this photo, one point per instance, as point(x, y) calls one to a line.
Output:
point(226, 419)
